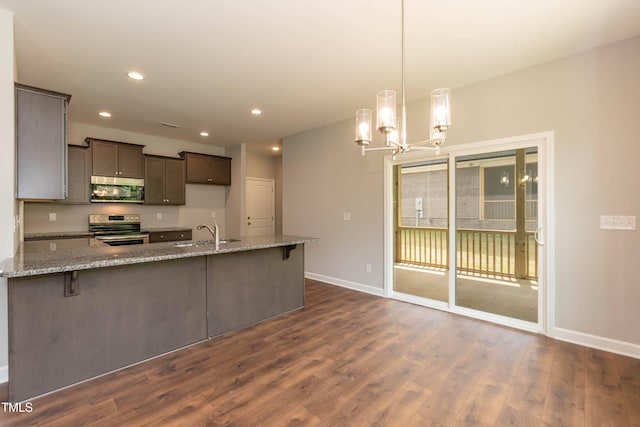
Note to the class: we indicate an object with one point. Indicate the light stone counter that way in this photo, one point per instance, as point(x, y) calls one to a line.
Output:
point(36, 258)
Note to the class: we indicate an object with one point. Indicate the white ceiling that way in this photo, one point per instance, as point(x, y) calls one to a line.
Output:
point(305, 63)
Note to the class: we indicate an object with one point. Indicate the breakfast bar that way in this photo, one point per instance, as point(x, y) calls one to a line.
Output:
point(79, 309)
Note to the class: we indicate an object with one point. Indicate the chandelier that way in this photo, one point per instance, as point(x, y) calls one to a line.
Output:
point(395, 128)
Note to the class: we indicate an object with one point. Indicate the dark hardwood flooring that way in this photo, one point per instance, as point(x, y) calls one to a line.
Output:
point(352, 359)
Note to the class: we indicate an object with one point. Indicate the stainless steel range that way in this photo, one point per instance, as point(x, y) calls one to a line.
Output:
point(118, 230)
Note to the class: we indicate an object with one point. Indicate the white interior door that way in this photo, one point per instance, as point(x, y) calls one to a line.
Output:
point(260, 207)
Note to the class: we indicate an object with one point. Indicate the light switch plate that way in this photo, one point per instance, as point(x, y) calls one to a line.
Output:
point(53, 216)
point(346, 216)
point(608, 222)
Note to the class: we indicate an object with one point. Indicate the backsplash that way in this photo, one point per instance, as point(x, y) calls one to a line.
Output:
point(201, 200)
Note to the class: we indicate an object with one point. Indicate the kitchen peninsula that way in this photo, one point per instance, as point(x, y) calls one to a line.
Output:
point(80, 310)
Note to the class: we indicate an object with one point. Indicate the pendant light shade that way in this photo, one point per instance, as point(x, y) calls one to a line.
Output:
point(386, 104)
point(363, 126)
point(440, 110)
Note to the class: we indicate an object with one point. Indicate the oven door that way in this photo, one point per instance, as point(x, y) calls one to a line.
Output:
point(124, 239)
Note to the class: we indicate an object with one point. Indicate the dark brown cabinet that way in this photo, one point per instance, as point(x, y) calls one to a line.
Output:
point(117, 159)
point(41, 143)
point(164, 179)
point(170, 236)
point(78, 175)
point(207, 169)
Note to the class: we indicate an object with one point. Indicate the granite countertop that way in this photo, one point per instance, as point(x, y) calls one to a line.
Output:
point(165, 229)
point(57, 235)
point(34, 258)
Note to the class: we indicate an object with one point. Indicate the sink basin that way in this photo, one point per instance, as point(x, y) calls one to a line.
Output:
point(196, 243)
point(184, 244)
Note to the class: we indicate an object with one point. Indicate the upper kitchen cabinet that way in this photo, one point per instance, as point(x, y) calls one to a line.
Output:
point(78, 175)
point(116, 159)
point(41, 143)
point(164, 180)
point(207, 169)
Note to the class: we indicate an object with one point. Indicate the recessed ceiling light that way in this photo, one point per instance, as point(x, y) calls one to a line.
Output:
point(104, 114)
point(135, 75)
point(275, 148)
point(204, 133)
point(256, 111)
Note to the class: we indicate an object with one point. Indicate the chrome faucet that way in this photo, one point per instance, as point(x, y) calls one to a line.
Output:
point(215, 233)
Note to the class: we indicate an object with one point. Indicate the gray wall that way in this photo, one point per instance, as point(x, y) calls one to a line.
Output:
point(7, 167)
point(235, 194)
point(590, 100)
point(325, 177)
point(279, 195)
point(201, 200)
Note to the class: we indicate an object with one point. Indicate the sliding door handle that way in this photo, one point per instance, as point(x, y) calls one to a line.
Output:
point(536, 236)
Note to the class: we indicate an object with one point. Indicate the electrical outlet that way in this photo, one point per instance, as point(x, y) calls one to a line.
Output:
point(368, 268)
point(213, 214)
point(346, 216)
point(617, 222)
point(159, 215)
point(53, 217)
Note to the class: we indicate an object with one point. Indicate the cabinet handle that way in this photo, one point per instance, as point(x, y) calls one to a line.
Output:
point(161, 236)
point(181, 235)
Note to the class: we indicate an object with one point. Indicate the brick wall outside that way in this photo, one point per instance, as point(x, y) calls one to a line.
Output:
point(431, 186)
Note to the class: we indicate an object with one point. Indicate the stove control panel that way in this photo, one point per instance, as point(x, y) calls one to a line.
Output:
point(115, 219)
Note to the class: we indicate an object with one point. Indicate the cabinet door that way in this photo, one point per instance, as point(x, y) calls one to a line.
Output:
point(221, 170)
point(41, 145)
point(153, 180)
point(207, 169)
point(104, 158)
point(174, 181)
point(198, 167)
point(130, 161)
point(78, 175)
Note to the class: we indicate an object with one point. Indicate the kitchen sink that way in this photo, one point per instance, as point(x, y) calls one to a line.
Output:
point(196, 243)
point(184, 244)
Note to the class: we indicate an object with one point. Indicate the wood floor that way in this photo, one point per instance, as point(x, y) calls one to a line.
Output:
point(352, 359)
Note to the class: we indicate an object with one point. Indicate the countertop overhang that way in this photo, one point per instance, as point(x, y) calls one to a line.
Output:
point(32, 260)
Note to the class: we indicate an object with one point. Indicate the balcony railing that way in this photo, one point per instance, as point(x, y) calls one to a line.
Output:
point(490, 252)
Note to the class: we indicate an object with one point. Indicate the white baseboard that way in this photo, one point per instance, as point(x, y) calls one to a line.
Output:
point(4, 374)
point(606, 344)
point(346, 284)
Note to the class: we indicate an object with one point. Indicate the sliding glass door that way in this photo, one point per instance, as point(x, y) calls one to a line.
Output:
point(496, 219)
point(421, 265)
point(465, 231)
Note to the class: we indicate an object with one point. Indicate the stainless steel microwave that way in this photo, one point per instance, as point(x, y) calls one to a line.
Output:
point(107, 189)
